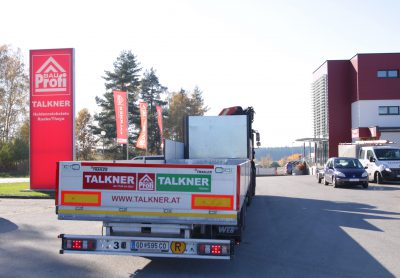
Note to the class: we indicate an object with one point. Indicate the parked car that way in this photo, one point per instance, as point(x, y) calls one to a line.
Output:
point(290, 166)
point(344, 171)
point(144, 158)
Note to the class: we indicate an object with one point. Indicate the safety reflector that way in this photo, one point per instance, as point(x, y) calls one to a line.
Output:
point(213, 249)
point(79, 244)
point(212, 202)
point(80, 198)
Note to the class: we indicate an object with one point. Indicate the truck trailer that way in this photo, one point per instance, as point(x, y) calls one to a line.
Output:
point(191, 204)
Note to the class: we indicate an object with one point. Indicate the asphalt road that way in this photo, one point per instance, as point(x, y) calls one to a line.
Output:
point(295, 228)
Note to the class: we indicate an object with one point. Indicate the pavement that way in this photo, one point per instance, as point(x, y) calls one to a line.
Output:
point(11, 180)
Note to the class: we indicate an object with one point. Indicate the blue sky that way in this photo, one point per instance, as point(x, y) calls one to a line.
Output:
point(248, 53)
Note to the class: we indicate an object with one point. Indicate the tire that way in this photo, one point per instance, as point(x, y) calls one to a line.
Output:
point(242, 225)
point(248, 198)
point(378, 178)
point(319, 179)
point(325, 182)
point(365, 185)
point(334, 183)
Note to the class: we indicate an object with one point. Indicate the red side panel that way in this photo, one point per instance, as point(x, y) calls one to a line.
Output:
point(238, 187)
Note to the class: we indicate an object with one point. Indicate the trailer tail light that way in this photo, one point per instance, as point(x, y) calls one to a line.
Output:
point(79, 244)
point(213, 249)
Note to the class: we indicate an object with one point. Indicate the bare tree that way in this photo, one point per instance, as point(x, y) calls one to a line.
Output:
point(14, 86)
point(85, 140)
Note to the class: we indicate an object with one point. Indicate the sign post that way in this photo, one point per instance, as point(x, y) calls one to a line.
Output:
point(51, 114)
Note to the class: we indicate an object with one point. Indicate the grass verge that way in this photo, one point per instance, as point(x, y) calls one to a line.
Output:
point(21, 189)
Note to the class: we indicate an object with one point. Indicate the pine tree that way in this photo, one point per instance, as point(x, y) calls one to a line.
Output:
point(124, 77)
point(151, 92)
point(182, 104)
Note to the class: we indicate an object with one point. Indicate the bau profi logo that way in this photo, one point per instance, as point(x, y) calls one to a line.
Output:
point(51, 78)
point(183, 182)
point(146, 182)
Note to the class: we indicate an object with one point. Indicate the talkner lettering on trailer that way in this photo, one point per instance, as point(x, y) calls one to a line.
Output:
point(109, 179)
point(183, 181)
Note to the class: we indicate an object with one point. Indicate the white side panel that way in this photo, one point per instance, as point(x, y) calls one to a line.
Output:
point(217, 137)
point(365, 113)
point(173, 150)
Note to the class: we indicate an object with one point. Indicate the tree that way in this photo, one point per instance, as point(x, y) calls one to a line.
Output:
point(85, 140)
point(182, 104)
point(14, 86)
point(274, 164)
point(151, 91)
point(197, 103)
point(14, 154)
point(265, 161)
point(292, 157)
point(124, 77)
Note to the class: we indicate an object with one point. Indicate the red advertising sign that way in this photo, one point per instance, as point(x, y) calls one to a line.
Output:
point(51, 114)
point(142, 140)
point(115, 181)
point(120, 106)
point(159, 120)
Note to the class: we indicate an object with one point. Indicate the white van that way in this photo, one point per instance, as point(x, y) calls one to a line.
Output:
point(152, 159)
point(382, 162)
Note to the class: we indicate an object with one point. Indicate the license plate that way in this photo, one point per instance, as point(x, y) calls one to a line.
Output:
point(150, 246)
point(354, 179)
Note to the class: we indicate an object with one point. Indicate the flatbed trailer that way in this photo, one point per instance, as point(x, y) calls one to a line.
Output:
point(190, 205)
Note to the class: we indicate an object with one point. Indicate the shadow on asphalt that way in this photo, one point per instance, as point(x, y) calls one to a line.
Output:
point(290, 237)
point(7, 226)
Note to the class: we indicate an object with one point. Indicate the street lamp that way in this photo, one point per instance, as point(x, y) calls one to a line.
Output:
point(103, 134)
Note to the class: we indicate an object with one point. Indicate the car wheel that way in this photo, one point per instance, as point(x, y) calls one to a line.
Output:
point(325, 182)
point(365, 184)
point(378, 178)
point(334, 182)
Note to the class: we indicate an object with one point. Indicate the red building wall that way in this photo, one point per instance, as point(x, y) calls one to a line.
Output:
point(370, 87)
point(339, 103)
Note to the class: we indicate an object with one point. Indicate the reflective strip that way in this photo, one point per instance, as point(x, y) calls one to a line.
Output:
point(147, 213)
point(213, 202)
point(79, 198)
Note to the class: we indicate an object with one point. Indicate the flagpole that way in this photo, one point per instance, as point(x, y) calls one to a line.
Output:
point(127, 126)
point(147, 132)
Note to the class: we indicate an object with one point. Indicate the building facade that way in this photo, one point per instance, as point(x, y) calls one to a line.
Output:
point(356, 99)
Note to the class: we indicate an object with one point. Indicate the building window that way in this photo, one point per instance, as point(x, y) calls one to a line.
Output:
point(393, 73)
point(387, 73)
point(389, 110)
point(382, 73)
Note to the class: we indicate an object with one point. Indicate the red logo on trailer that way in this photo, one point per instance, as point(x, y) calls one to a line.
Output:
point(146, 182)
point(51, 114)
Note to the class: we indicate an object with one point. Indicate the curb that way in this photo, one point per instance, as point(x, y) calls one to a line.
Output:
point(26, 197)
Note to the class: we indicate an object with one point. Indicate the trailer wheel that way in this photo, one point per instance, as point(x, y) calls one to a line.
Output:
point(248, 198)
point(242, 225)
point(253, 181)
